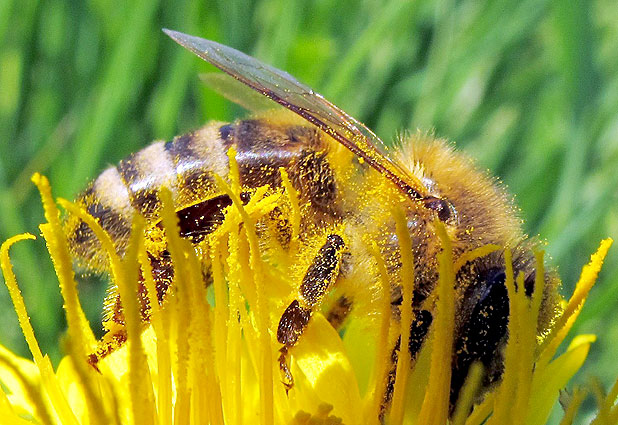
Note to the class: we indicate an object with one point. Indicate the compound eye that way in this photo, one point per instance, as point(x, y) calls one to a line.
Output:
point(445, 210)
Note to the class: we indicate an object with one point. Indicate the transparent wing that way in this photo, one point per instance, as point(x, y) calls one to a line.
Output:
point(237, 92)
point(301, 99)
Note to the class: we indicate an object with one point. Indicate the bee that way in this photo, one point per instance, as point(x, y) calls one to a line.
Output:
point(348, 182)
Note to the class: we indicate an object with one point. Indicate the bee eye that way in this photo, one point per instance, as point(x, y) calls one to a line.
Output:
point(446, 211)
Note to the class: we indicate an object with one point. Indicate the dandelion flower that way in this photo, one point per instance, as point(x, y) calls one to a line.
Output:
point(208, 355)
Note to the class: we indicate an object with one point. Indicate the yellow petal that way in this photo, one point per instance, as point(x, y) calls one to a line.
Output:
point(21, 381)
point(361, 349)
point(548, 381)
point(321, 358)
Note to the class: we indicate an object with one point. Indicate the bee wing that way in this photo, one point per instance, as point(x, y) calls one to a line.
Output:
point(301, 99)
point(237, 92)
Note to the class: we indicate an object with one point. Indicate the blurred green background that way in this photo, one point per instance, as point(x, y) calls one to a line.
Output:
point(529, 88)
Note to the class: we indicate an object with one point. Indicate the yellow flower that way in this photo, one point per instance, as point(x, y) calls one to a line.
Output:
point(204, 362)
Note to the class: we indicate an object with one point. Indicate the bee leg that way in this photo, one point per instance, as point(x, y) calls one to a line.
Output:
point(318, 279)
point(339, 312)
point(195, 223)
point(291, 325)
point(110, 342)
point(114, 322)
point(483, 334)
point(286, 375)
point(418, 334)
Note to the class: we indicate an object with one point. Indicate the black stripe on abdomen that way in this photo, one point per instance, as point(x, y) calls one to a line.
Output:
point(144, 173)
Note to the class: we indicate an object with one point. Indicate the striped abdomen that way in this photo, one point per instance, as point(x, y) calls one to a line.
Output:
point(186, 166)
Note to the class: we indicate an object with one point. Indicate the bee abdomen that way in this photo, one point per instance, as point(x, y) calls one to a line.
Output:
point(184, 165)
point(187, 165)
point(263, 147)
point(107, 201)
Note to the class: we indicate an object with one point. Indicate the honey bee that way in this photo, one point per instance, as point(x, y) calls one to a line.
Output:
point(348, 181)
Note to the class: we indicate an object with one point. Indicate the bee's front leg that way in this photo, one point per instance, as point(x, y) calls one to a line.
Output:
point(318, 279)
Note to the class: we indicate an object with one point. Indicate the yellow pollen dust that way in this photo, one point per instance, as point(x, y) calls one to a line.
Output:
point(208, 355)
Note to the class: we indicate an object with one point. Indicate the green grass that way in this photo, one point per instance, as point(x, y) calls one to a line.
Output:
point(529, 88)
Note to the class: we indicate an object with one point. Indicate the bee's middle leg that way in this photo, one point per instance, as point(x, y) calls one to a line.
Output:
point(318, 279)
